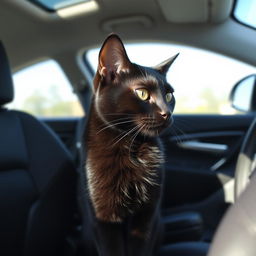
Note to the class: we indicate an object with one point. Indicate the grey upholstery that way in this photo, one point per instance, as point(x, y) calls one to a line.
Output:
point(237, 233)
point(245, 160)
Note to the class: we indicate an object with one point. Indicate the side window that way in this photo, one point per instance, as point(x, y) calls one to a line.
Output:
point(202, 80)
point(44, 90)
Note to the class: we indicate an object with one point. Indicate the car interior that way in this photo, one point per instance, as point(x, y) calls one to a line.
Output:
point(208, 205)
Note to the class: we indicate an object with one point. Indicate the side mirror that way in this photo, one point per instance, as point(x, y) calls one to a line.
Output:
point(243, 94)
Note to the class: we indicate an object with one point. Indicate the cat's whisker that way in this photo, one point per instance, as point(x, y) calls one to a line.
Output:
point(181, 132)
point(126, 134)
point(116, 120)
point(174, 134)
point(133, 139)
point(146, 128)
point(183, 122)
point(135, 135)
point(152, 123)
point(147, 117)
point(118, 136)
point(114, 124)
point(177, 137)
point(117, 114)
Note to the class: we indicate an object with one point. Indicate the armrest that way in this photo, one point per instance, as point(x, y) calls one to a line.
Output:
point(184, 226)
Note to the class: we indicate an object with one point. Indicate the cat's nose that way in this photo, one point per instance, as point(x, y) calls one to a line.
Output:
point(166, 115)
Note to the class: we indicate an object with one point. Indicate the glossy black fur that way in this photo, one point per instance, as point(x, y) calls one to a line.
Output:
point(124, 165)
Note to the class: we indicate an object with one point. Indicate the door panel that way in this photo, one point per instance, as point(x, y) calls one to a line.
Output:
point(201, 153)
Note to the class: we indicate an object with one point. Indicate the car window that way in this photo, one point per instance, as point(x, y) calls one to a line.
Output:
point(244, 12)
point(43, 90)
point(202, 80)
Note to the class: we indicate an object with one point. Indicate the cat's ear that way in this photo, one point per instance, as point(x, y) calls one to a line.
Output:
point(164, 66)
point(113, 58)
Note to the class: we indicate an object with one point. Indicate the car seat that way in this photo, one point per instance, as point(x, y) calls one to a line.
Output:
point(37, 181)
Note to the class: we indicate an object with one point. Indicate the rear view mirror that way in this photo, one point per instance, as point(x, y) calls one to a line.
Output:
point(243, 94)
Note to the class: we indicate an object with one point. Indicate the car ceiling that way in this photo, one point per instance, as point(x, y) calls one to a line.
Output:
point(30, 33)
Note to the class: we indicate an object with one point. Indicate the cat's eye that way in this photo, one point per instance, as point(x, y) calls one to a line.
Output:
point(143, 94)
point(168, 97)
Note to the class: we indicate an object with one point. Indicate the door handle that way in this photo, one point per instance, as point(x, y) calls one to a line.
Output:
point(204, 146)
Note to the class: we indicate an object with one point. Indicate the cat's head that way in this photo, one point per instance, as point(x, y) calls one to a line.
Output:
point(130, 97)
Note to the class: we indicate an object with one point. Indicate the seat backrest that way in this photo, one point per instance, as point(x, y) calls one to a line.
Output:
point(37, 181)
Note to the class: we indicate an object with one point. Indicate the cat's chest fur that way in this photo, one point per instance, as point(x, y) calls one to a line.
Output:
point(122, 179)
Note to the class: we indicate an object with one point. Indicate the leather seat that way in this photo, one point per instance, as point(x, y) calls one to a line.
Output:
point(37, 181)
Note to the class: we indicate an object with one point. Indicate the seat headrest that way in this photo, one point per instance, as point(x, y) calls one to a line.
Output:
point(6, 83)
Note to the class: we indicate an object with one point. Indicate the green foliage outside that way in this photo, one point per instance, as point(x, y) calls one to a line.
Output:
point(51, 105)
point(207, 102)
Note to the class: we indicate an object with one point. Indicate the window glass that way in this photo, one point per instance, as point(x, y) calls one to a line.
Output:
point(242, 97)
point(245, 11)
point(43, 90)
point(202, 80)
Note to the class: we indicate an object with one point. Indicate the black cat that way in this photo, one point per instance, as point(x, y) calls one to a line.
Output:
point(131, 106)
